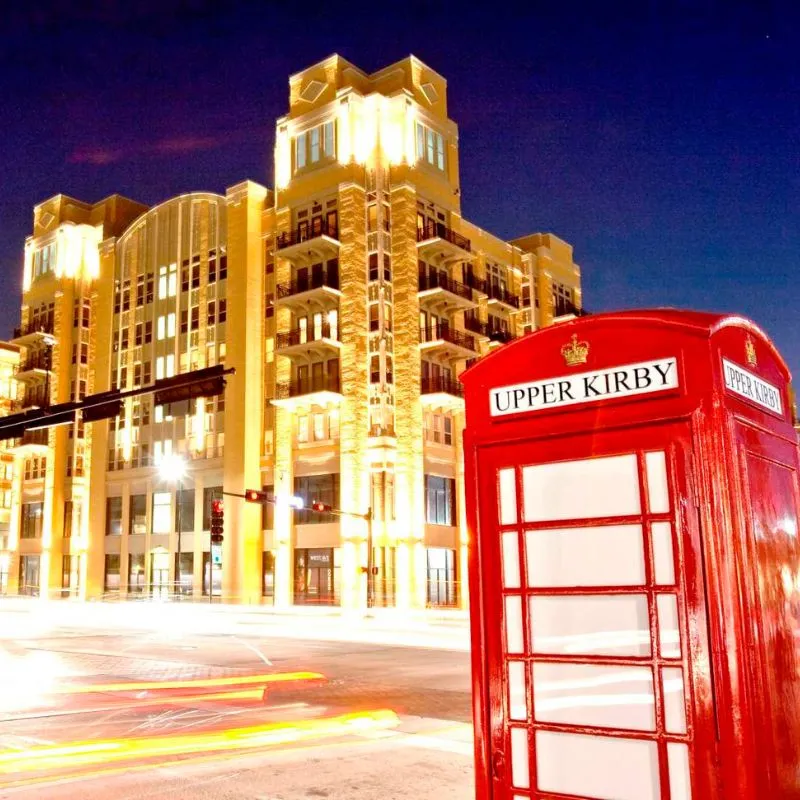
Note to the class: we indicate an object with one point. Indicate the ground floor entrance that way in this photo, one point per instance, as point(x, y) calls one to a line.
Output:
point(314, 571)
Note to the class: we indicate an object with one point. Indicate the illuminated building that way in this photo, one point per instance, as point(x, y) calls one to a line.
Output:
point(347, 299)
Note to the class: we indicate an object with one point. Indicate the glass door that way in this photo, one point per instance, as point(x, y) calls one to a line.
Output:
point(586, 618)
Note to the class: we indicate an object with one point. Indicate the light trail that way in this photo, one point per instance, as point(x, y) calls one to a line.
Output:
point(197, 683)
point(101, 751)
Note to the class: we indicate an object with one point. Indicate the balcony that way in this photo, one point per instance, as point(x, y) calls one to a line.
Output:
point(31, 442)
point(500, 296)
point(563, 312)
point(309, 245)
point(306, 345)
point(438, 244)
point(317, 290)
point(440, 294)
point(33, 398)
point(446, 343)
point(483, 329)
point(295, 395)
point(441, 392)
point(35, 367)
point(34, 332)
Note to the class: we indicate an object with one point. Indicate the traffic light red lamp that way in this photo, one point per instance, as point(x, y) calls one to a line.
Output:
point(217, 521)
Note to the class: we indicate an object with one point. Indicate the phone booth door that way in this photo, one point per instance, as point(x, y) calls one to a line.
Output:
point(585, 558)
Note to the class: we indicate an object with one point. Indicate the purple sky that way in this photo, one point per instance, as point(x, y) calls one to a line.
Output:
point(662, 143)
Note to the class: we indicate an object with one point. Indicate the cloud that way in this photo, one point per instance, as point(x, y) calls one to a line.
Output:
point(171, 146)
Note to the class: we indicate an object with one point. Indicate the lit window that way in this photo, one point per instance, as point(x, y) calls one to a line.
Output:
point(302, 428)
point(162, 511)
point(170, 325)
point(162, 283)
point(170, 365)
point(300, 151)
point(430, 146)
point(314, 140)
point(319, 428)
point(161, 328)
point(159, 368)
point(159, 416)
point(328, 139)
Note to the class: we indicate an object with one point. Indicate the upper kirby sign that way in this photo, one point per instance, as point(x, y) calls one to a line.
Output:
point(586, 387)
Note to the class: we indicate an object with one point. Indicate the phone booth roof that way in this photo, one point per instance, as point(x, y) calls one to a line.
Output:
point(548, 368)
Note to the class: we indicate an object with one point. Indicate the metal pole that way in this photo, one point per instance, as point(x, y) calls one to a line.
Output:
point(370, 583)
point(178, 526)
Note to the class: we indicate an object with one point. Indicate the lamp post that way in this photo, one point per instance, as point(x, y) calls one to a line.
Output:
point(173, 469)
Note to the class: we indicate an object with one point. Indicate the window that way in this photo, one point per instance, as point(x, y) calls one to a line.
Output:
point(111, 583)
point(430, 146)
point(440, 500)
point(212, 312)
point(317, 488)
point(442, 585)
point(268, 571)
point(223, 310)
point(124, 344)
point(270, 309)
point(44, 260)
point(139, 291)
point(562, 300)
point(31, 520)
point(137, 517)
point(148, 331)
point(70, 574)
point(184, 571)
point(268, 510)
point(113, 516)
point(185, 510)
point(136, 581)
point(210, 493)
point(149, 288)
point(314, 145)
point(162, 507)
point(374, 317)
point(138, 335)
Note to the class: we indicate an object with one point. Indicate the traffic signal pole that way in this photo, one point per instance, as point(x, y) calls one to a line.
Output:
point(257, 496)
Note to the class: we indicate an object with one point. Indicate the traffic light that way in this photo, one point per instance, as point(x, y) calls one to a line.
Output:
point(217, 521)
point(206, 382)
point(254, 496)
point(321, 507)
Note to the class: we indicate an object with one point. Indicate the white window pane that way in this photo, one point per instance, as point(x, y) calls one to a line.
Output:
point(159, 367)
point(439, 151)
point(594, 694)
point(674, 705)
point(597, 766)
point(514, 638)
point(173, 283)
point(668, 632)
point(680, 783)
point(511, 579)
point(508, 497)
point(162, 287)
point(170, 366)
point(592, 487)
point(520, 766)
point(160, 328)
point(616, 625)
point(517, 694)
point(610, 555)
point(300, 150)
point(170, 325)
point(328, 145)
point(657, 490)
point(664, 563)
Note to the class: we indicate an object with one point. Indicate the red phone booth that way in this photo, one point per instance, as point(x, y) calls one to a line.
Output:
point(635, 566)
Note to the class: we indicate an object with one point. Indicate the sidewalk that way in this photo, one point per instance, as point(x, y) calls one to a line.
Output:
point(439, 629)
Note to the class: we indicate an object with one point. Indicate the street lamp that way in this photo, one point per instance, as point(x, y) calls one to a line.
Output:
point(173, 469)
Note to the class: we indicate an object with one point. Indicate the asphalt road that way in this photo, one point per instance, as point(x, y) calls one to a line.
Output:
point(154, 713)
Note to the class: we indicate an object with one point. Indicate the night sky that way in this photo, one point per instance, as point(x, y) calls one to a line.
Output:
point(661, 140)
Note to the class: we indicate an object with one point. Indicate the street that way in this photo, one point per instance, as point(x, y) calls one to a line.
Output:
point(145, 701)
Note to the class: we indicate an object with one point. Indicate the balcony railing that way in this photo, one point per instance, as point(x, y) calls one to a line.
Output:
point(564, 309)
point(30, 399)
point(434, 333)
point(287, 389)
point(37, 437)
point(441, 384)
point(500, 293)
point(40, 326)
point(39, 360)
point(305, 336)
point(305, 233)
point(484, 329)
point(434, 279)
point(437, 230)
point(329, 278)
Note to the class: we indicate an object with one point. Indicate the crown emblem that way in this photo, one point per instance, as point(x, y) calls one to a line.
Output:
point(750, 352)
point(575, 352)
